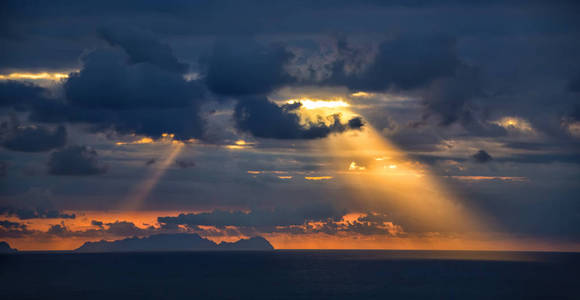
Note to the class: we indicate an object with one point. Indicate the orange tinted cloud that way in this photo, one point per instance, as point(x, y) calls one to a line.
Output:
point(316, 178)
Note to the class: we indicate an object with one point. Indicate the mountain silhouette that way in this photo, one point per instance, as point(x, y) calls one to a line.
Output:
point(5, 248)
point(173, 242)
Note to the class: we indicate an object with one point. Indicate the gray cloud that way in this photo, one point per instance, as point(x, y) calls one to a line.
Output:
point(481, 157)
point(38, 213)
point(243, 67)
point(184, 164)
point(31, 138)
point(142, 47)
point(75, 160)
point(265, 119)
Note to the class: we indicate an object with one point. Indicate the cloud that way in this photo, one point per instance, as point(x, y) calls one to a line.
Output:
point(19, 94)
point(244, 67)
point(11, 225)
point(258, 217)
point(402, 63)
point(114, 229)
point(97, 223)
point(75, 160)
point(184, 164)
point(33, 138)
point(355, 123)
point(265, 119)
point(427, 64)
point(126, 88)
point(109, 93)
point(108, 81)
point(278, 221)
point(143, 47)
point(9, 229)
point(449, 98)
point(38, 213)
point(481, 157)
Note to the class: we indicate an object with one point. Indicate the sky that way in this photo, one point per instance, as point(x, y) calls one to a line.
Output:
point(315, 124)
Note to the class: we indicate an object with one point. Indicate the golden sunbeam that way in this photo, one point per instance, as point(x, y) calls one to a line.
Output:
point(396, 185)
point(383, 179)
point(138, 195)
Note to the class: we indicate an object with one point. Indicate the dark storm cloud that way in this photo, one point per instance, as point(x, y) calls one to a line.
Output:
point(449, 97)
point(244, 67)
point(185, 122)
point(25, 214)
point(265, 119)
point(112, 92)
point(108, 81)
point(142, 47)
point(481, 157)
point(428, 64)
point(402, 63)
point(75, 160)
point(19, 95)
point(36, 138)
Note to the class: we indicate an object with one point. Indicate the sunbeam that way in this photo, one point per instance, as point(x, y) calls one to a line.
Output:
point(381, 178)
point(140, 192)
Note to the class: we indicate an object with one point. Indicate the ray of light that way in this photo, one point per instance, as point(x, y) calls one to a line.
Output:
point(381, 178)
point(396, 184)
point(138, 195)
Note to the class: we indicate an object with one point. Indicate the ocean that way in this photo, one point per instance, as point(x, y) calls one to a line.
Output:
point(291, 275)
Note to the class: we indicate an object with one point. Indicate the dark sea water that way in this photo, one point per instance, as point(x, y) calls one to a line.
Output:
point(291, 275)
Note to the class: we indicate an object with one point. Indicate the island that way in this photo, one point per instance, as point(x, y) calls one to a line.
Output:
point(174, 242)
